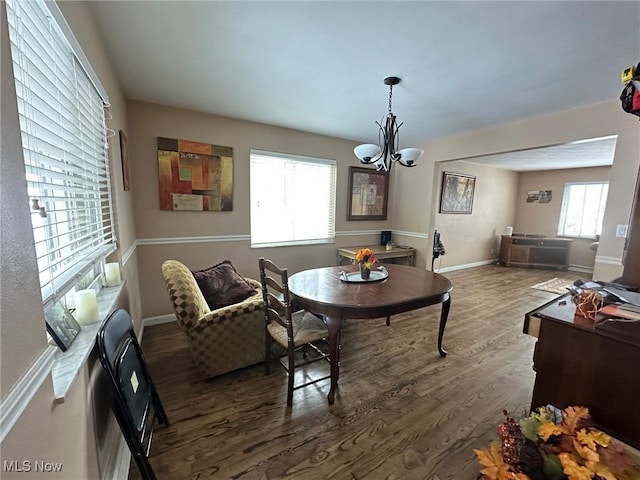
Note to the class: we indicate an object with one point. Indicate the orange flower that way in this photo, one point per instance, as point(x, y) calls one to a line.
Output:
point(365, 257)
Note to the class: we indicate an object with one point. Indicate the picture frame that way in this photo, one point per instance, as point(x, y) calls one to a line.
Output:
point(124, 157)
point(368, 194)
point(61, 325)
point(457, 192)
point(194, 176)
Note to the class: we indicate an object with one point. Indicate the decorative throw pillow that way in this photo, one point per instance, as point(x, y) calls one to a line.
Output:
point(222, 285)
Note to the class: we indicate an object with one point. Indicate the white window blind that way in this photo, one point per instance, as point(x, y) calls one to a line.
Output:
point(583, 209)
point(292, 199)
point(63, 131)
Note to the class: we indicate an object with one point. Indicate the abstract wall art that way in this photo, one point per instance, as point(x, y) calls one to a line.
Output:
point(195, 176)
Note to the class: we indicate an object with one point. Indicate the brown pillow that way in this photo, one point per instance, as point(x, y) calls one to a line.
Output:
point(222, 285)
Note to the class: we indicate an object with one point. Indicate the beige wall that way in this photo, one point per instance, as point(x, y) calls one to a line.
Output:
point(592, 121)
point(475, 237)
point(157, 229)
point(543, 218)
point(75, 432)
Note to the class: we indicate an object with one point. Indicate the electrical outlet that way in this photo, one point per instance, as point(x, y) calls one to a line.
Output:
point(621, 230)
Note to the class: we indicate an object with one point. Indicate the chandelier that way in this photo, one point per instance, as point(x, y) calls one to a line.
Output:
point(386, 152)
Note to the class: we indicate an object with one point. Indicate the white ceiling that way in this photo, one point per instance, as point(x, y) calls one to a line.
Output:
point(318, 66)
point(596, 152)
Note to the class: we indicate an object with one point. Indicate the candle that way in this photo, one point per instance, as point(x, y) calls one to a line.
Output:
point(86, 306)
point(111, 274)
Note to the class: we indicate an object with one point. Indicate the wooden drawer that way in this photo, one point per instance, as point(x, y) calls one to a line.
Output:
point(519, 254)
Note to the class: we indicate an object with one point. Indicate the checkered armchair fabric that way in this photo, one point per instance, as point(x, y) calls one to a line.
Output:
point(220, 340)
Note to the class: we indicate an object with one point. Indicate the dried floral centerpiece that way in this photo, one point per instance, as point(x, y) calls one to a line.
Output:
point(366, 260)
point(544, 447)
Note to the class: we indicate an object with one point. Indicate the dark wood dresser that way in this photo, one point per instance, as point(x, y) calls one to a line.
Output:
point(535, 251)
point(597, 365)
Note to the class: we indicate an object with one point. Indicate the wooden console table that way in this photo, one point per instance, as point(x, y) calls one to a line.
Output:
point(592, 364)
point(380, 252)
point(535, 251)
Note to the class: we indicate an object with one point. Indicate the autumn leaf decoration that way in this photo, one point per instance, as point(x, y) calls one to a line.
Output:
point(572, 449)
point(495, 467)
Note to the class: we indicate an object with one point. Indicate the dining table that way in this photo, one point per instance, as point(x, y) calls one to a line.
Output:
point(338, 293)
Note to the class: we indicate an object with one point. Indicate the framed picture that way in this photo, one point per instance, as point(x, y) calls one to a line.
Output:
point(124, 152)
point(368, 194)
point(457, 193)
point(61, 325)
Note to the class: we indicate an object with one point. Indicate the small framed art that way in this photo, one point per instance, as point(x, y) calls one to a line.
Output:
point(368, 194)
point(457, 193)
point(61, 326)
point(124, 152)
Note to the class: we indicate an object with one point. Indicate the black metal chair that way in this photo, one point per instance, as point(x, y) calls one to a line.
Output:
point(135, 403)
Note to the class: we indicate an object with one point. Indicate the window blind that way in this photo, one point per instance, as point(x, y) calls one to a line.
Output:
point(63, 132)
point(582, 209)
point(292, 199)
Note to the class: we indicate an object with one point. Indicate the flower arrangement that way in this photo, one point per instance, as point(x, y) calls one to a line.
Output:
point(543, 446)
point(366, 258)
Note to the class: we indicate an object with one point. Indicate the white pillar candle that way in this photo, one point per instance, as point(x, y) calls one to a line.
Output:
point(111, 274)
point(508, 230)
point(86, 306)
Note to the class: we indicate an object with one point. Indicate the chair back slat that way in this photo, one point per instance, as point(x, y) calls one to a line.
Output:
point(277, 307)
point(304, 330)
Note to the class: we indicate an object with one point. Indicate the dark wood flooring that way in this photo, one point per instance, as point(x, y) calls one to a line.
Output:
point(401, 412)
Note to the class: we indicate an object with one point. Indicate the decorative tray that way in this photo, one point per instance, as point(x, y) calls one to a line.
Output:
point(354, 277)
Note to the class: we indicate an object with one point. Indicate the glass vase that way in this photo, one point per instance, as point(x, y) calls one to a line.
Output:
point(365, 272)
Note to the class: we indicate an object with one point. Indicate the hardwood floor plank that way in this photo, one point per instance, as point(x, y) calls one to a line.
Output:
point(401, 411)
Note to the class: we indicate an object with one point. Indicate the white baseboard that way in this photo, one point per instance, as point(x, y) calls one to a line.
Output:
point(147, 322)
point(462, 267)
point(581, 269)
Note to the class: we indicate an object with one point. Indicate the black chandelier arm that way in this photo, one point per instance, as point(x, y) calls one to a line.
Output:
point(388, 141)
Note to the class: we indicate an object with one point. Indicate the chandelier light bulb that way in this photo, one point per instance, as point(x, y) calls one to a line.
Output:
point(384, 154)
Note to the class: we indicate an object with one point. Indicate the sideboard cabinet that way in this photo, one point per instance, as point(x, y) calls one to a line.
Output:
point(535, 251)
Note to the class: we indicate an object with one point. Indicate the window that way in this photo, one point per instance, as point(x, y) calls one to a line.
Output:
point(583, 209)
point(62, 122)
point(292, 199)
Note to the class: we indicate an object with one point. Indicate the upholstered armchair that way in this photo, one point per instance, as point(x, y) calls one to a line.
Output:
point(222, 339)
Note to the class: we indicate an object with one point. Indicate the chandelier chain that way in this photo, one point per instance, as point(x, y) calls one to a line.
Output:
point(390, 94)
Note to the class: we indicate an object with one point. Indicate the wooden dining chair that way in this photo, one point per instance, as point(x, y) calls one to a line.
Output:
point(300, 333)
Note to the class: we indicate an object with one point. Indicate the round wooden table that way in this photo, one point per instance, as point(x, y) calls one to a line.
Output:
point(321, 291)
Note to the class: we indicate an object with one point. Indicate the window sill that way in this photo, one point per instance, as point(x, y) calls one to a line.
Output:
point(67, 365)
